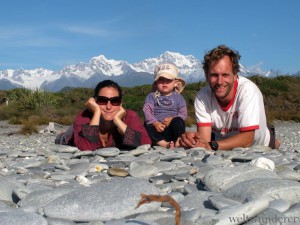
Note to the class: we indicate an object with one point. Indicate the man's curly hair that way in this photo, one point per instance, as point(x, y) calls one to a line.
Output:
point(219, 52)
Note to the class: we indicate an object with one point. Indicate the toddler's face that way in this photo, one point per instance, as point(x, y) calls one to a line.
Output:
point(165, 86)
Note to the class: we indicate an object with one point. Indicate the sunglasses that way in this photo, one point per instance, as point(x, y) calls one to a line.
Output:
point(102, 100)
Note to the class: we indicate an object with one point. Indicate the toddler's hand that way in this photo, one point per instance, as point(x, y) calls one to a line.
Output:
point(159, 127)
point(167, 121)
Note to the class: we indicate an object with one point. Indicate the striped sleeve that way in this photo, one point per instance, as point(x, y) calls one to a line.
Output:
point(148, 110)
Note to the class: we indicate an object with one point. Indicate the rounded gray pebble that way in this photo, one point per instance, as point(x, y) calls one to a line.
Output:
point(44, 183)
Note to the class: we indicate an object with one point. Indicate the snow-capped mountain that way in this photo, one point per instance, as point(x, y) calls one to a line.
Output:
point(26, 78)
point(100, 68)
point(189, 67)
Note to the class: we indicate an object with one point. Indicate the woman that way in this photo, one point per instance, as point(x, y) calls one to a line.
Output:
point(105, 123)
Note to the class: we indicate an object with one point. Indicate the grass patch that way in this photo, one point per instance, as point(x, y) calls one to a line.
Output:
point(32, 108)
point(28, 128)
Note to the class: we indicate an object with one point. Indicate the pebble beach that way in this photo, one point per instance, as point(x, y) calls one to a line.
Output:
point(46, 184)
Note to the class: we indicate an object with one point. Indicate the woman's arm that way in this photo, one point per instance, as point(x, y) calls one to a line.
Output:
point(86, 136)
point(135, 134)
point(86, 127)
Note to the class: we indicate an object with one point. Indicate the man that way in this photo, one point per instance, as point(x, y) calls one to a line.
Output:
point(230, 110)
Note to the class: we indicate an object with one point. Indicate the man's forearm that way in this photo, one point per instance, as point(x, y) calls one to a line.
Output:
point(243, 139)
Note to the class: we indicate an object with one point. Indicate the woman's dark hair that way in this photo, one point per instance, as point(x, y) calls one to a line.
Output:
point(107, 83)
point(219, 52)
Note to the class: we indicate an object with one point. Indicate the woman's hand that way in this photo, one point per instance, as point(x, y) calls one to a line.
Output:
point(118, 120)
point(120, 114)
point(91, 105)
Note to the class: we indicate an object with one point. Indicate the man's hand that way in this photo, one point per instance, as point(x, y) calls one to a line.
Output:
point(159, 127)
point(204, 145)
point(190, 140)
point(167, 121)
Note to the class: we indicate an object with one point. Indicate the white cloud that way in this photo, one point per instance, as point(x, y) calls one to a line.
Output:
point(28, 37)
point(103, 28)
point(41, 42)
point(113, 28)
point(257, 68)
point(15, 32)
point(88, 31)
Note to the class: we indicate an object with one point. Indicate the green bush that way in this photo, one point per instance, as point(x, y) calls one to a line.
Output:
point(28, 127)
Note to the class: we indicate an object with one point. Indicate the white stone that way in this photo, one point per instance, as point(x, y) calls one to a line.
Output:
point(263, 163)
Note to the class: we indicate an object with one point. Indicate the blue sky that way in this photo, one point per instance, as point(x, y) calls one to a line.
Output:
point(55, 33)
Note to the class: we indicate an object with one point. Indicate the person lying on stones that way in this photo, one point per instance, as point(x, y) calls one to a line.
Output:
point(165, 108)
point(230, 110)
point(105, 123)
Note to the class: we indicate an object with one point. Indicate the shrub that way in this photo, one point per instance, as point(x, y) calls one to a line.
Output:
point(37, 99)
point(281, 97)
point(28, 128)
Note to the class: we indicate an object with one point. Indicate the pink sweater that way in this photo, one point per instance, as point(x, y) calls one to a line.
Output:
point(86, 137)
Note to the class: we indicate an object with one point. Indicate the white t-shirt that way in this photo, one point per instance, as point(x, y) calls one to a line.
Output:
point(246, 112)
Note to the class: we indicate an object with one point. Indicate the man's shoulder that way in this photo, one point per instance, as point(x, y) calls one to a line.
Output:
point(246, 84)
point(204, 91)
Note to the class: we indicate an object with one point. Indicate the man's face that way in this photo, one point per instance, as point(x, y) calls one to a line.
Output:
point(221, 79)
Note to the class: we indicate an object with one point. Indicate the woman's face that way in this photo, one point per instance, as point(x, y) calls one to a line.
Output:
point(108, 102)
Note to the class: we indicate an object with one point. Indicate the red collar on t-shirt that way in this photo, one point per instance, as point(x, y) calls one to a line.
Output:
point(232, 100)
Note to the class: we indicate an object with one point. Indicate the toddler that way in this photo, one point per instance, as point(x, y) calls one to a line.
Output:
point(165, 109)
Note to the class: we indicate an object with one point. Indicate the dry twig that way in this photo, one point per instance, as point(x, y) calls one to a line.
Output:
point(161, 198)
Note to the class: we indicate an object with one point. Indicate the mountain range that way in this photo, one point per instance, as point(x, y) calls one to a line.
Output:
point(100, 68)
